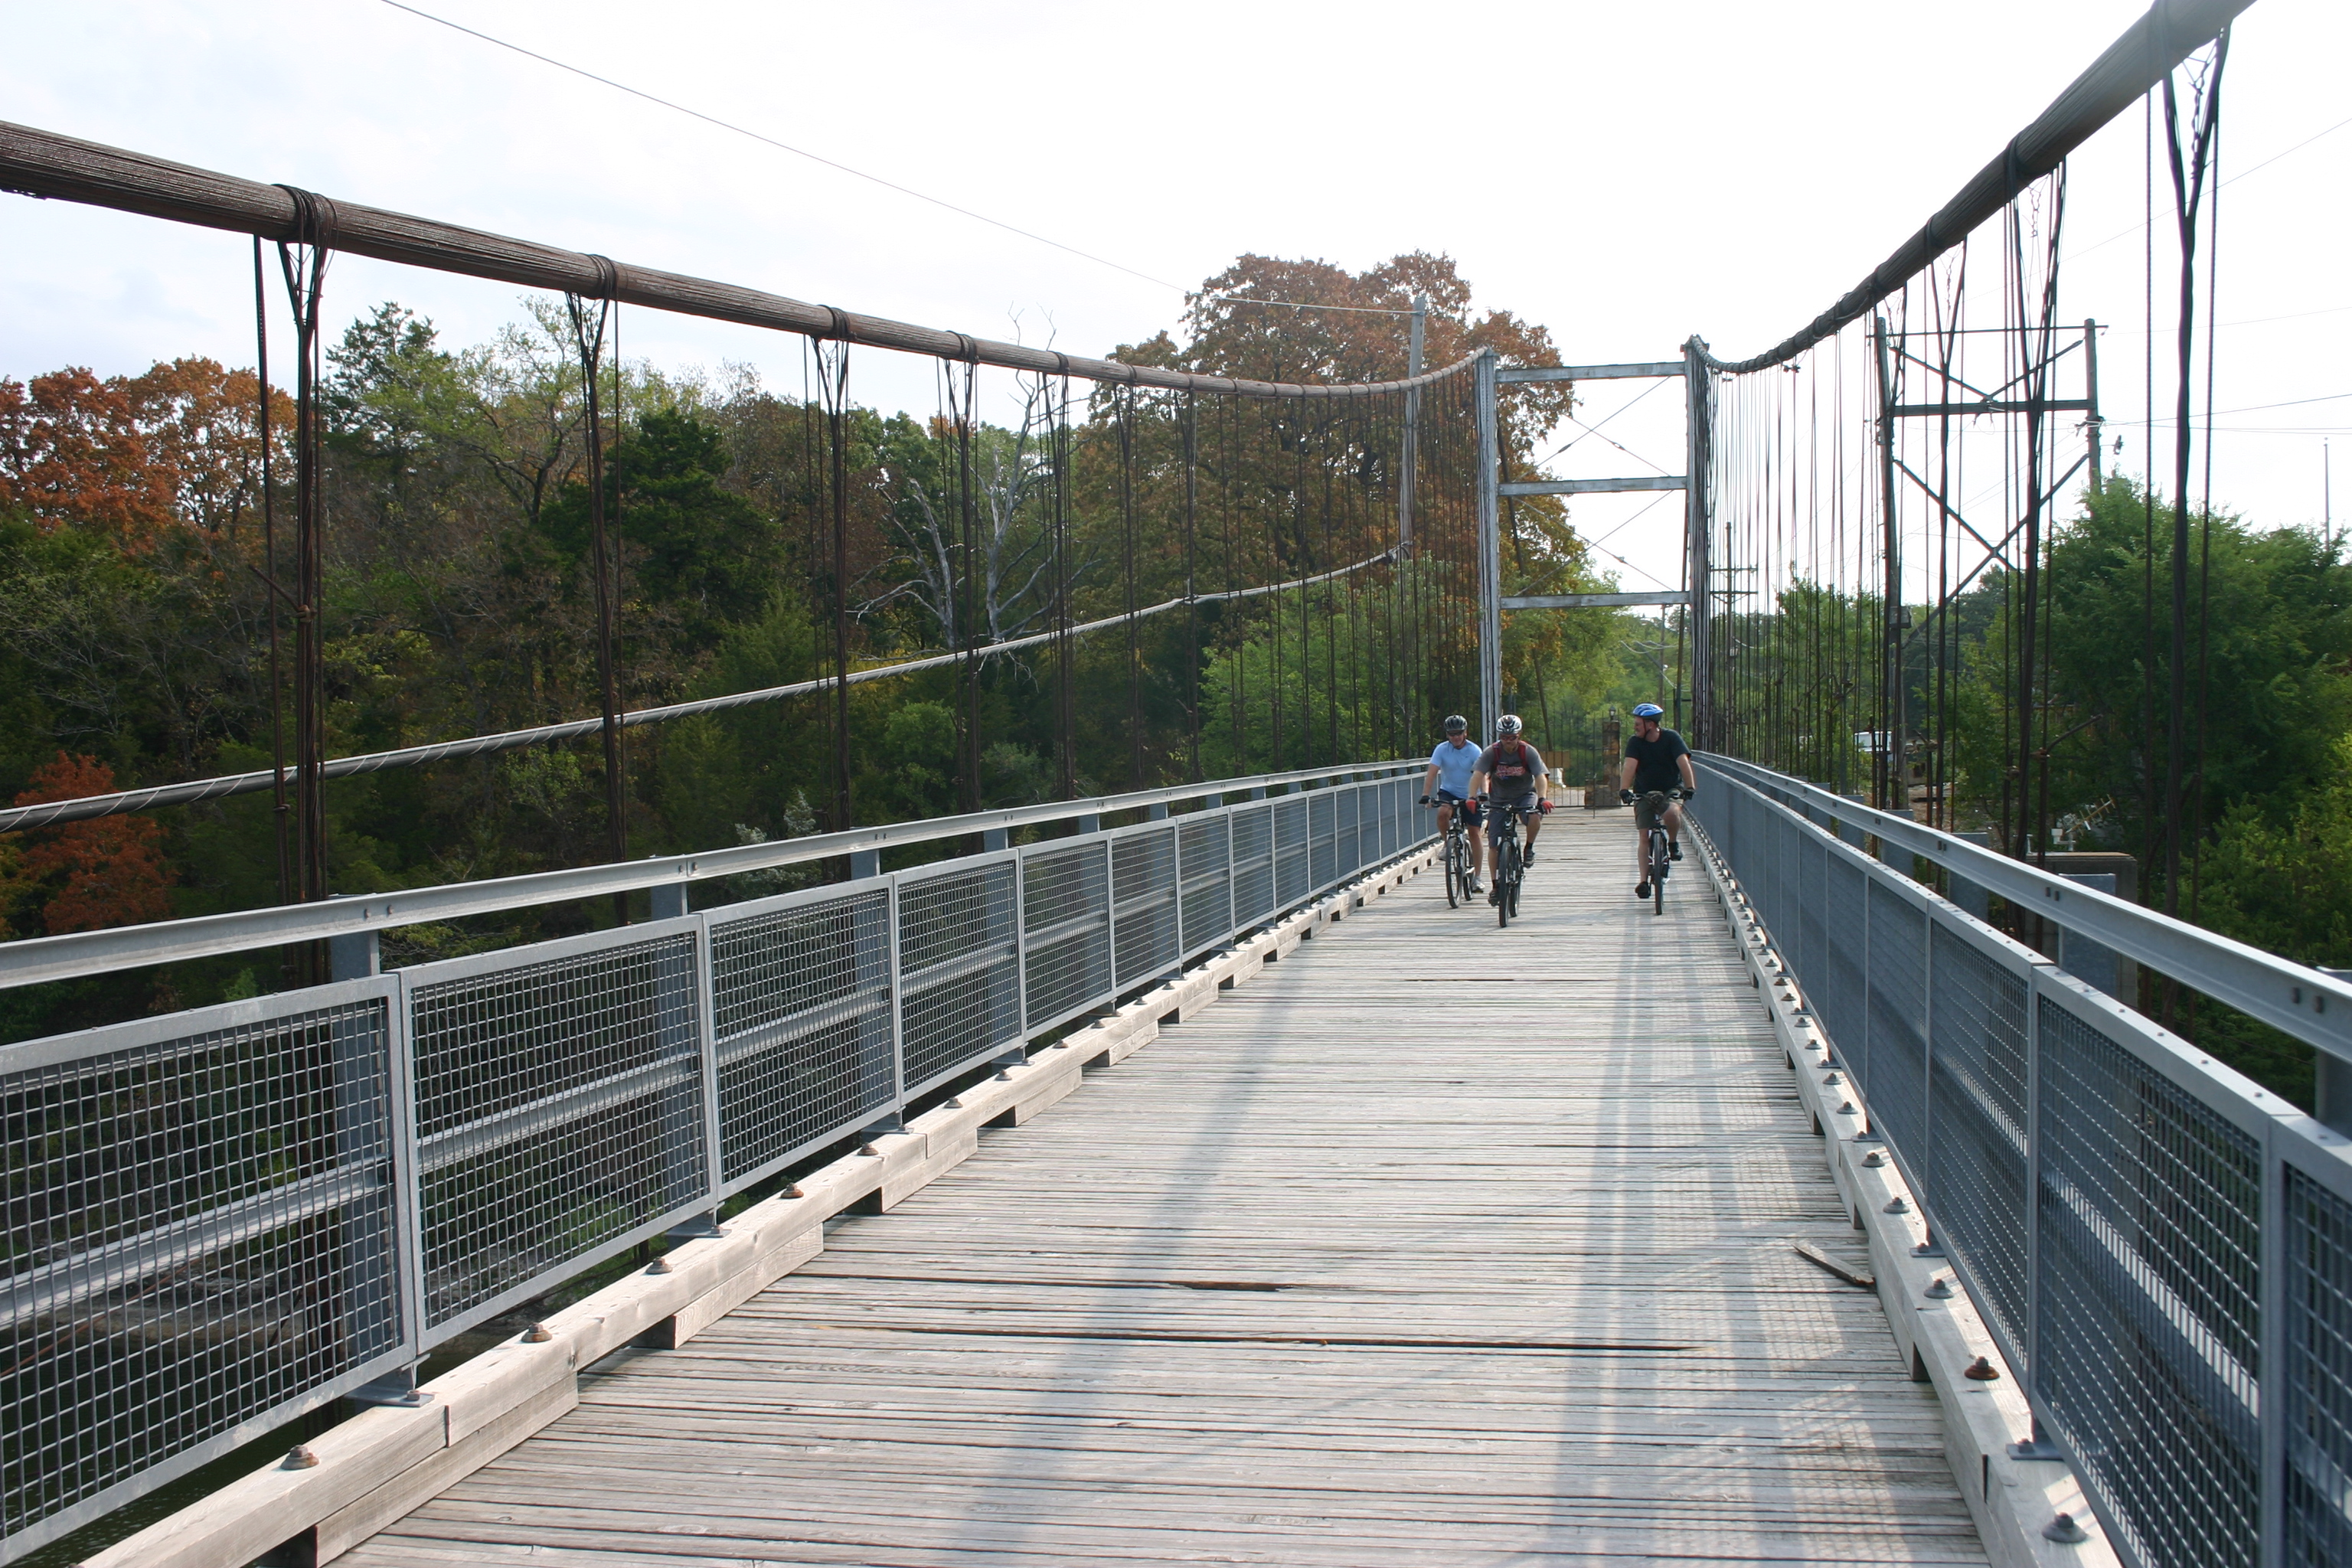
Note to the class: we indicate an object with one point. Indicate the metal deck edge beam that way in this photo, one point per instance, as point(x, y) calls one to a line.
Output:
point(2309, 1004)
point(46, 165)
point(1645, 370)
point(1595, 487)
point(2143, 56)
point(38, 958)
point(1594, 601)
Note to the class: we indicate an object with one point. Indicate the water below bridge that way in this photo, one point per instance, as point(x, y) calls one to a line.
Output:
point(1432, 1243)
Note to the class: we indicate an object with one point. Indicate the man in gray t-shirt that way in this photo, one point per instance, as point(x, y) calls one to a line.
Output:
point(1511, 772)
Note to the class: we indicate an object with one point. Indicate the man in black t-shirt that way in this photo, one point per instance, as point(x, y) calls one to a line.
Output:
point(1655, 759)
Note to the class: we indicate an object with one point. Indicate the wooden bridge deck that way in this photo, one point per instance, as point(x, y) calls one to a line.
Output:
point(1433, 1245)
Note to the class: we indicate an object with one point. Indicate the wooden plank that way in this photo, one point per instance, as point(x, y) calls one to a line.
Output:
point(1432, 1244)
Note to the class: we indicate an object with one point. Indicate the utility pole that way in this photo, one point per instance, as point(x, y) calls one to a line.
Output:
point(2092, 427)
point(1411, 456)
point(1490, 554)
point(1699, 575)
point(1893, 779)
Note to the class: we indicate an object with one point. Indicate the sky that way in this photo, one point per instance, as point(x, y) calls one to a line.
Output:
point(1625, 175)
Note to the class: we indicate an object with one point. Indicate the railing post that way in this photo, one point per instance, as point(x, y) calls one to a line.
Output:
point(706, 1051)
point(380, 1242)
point(874, 949)
point(2331, 1101)
point(891, 916)
point(2035, 1446)
point(2273, 1345)
point(355, 955)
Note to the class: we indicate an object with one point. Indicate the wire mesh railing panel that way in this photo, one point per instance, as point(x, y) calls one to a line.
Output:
point(1977, 1124)
point(1145, 942)
point(2148, 1327)
point(801, 995)
point(559, 1111)
point(1811, 864)
point(1322, 832)
point(1292, 855)
point(201, 1238)
point(2315, 1336)
point(1772, 854)
point(1253, 865)
point(1838, 994)
point(1066, 910)
point(1204, 853)
point(958, 969)
point(1347, 853)
point(1896, 1057)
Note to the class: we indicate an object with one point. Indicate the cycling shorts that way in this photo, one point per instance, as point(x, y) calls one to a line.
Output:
point(1467, 809)
point(1524, 803)
point(1644, 819)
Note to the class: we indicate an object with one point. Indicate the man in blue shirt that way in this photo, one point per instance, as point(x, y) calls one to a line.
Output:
point(1450, 767)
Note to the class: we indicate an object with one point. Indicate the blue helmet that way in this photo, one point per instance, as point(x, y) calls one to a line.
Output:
point(1648, 710)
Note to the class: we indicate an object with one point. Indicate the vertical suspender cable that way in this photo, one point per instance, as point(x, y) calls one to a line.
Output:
point(278, 823)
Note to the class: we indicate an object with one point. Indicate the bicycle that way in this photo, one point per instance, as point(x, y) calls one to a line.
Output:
point(1459, 863)
point(1661, 847)
point(1510, 867)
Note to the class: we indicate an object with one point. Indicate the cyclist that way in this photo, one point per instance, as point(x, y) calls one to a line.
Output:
point(1655, 759)
point(1511, 772)
point(1450, 767)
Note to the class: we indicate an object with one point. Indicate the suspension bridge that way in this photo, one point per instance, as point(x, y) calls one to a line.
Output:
point(1177, 1173)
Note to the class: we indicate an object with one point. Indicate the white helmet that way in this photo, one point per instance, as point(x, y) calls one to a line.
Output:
point(1509, 725)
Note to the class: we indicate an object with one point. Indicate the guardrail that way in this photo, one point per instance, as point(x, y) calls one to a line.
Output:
point(222, 1218)
point(37, 959)
point(2161, 1248)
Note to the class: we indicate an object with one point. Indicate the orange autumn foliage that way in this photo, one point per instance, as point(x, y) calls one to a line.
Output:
point(136, 457)
point(107, 871)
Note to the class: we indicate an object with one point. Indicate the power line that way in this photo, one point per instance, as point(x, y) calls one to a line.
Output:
point(2233, 180)
point(765, 140)
point(2250, 408)
point(782, 146)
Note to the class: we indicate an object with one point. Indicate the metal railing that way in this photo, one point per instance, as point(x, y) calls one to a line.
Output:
point(2158, 1246)
point(222, 1218)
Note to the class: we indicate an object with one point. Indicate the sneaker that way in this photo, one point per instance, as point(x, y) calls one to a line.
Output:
point(1529, 858)
point(1674, 850)
point(1476, 885)
point(1640, 890)
point(1496, 897)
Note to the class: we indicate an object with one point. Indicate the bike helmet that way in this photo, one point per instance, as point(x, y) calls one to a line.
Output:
point(1509, 725)
point(1648, 710)
point(1456, 724)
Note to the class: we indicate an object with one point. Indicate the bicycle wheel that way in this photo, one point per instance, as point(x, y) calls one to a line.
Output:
point(1657, 872)
point(1453, 883)
point(1506, 882)
point(1512, 897)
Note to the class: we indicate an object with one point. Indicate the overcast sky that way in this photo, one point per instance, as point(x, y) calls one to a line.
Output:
point(1625, 175)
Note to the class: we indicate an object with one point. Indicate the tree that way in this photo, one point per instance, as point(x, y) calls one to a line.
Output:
point(695, 551)
point(83, 875)
point(2277, 670)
